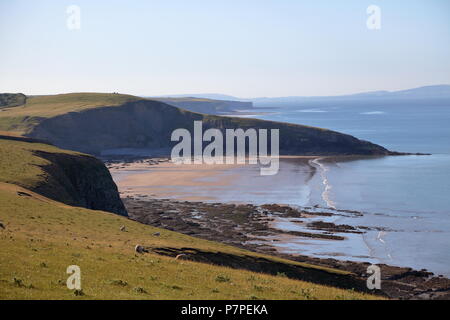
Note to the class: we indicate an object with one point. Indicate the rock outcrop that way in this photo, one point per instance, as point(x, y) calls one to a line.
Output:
point(8, 100)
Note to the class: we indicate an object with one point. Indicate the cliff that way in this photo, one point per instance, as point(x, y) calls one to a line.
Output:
point(208, 106)
point(69, 177)
point(86, 123)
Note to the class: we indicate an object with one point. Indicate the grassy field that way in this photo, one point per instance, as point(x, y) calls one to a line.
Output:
point(43, 237)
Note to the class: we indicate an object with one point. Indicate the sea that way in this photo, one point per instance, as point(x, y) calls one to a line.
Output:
point(405, 199)
point(401, 202)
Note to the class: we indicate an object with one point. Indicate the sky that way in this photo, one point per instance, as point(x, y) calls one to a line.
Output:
point(244, 48)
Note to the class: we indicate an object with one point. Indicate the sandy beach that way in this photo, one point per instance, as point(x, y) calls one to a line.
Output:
point(167, 179)
point(195, 182)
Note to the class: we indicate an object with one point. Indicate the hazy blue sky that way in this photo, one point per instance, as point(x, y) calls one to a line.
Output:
point(243, 48)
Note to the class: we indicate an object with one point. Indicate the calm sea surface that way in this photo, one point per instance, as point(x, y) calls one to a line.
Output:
point(408, 196)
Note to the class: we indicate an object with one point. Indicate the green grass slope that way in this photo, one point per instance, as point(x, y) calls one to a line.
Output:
point(19, 165)
point(38, 108)
point(42, 238)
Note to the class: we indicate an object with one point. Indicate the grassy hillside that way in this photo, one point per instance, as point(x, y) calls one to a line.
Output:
point(19, 165)
point(38, 108)
point(42, 237)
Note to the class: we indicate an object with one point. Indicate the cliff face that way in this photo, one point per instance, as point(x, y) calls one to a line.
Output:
point(206, 105)
point(61, 175)
point(142, 124)
point(80, 180)
point(149, 124)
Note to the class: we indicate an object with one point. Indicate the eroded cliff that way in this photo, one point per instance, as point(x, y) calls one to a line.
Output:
point(148, 124)
point(207, 106)
point(69, 177)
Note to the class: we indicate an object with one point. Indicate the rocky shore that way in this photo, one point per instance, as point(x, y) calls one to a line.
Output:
point(254, 228)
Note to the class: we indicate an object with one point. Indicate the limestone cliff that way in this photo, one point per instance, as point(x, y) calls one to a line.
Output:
point(65, 176)
point(80, 180)
point(207, 106)
point(149, 124)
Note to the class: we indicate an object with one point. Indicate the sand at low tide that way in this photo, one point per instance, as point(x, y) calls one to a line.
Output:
point(202, 182)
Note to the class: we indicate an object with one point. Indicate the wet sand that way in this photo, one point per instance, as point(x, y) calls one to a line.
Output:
point(199, 182)
point(167, 179)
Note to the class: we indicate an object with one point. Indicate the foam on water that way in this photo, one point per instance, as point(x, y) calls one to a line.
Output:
point(327, 186)
point(373, 112)
point(405, 199)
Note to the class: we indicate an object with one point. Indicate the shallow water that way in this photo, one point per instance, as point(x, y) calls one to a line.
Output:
point(407, 195)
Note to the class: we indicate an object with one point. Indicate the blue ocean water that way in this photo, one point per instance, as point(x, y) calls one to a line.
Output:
point(404, 200)
point(408, 197)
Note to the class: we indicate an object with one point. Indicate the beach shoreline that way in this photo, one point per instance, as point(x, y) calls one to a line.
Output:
point(189, 199)
point(161, 178)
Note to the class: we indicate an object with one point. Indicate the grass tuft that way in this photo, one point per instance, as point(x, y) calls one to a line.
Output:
point(222, 278)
